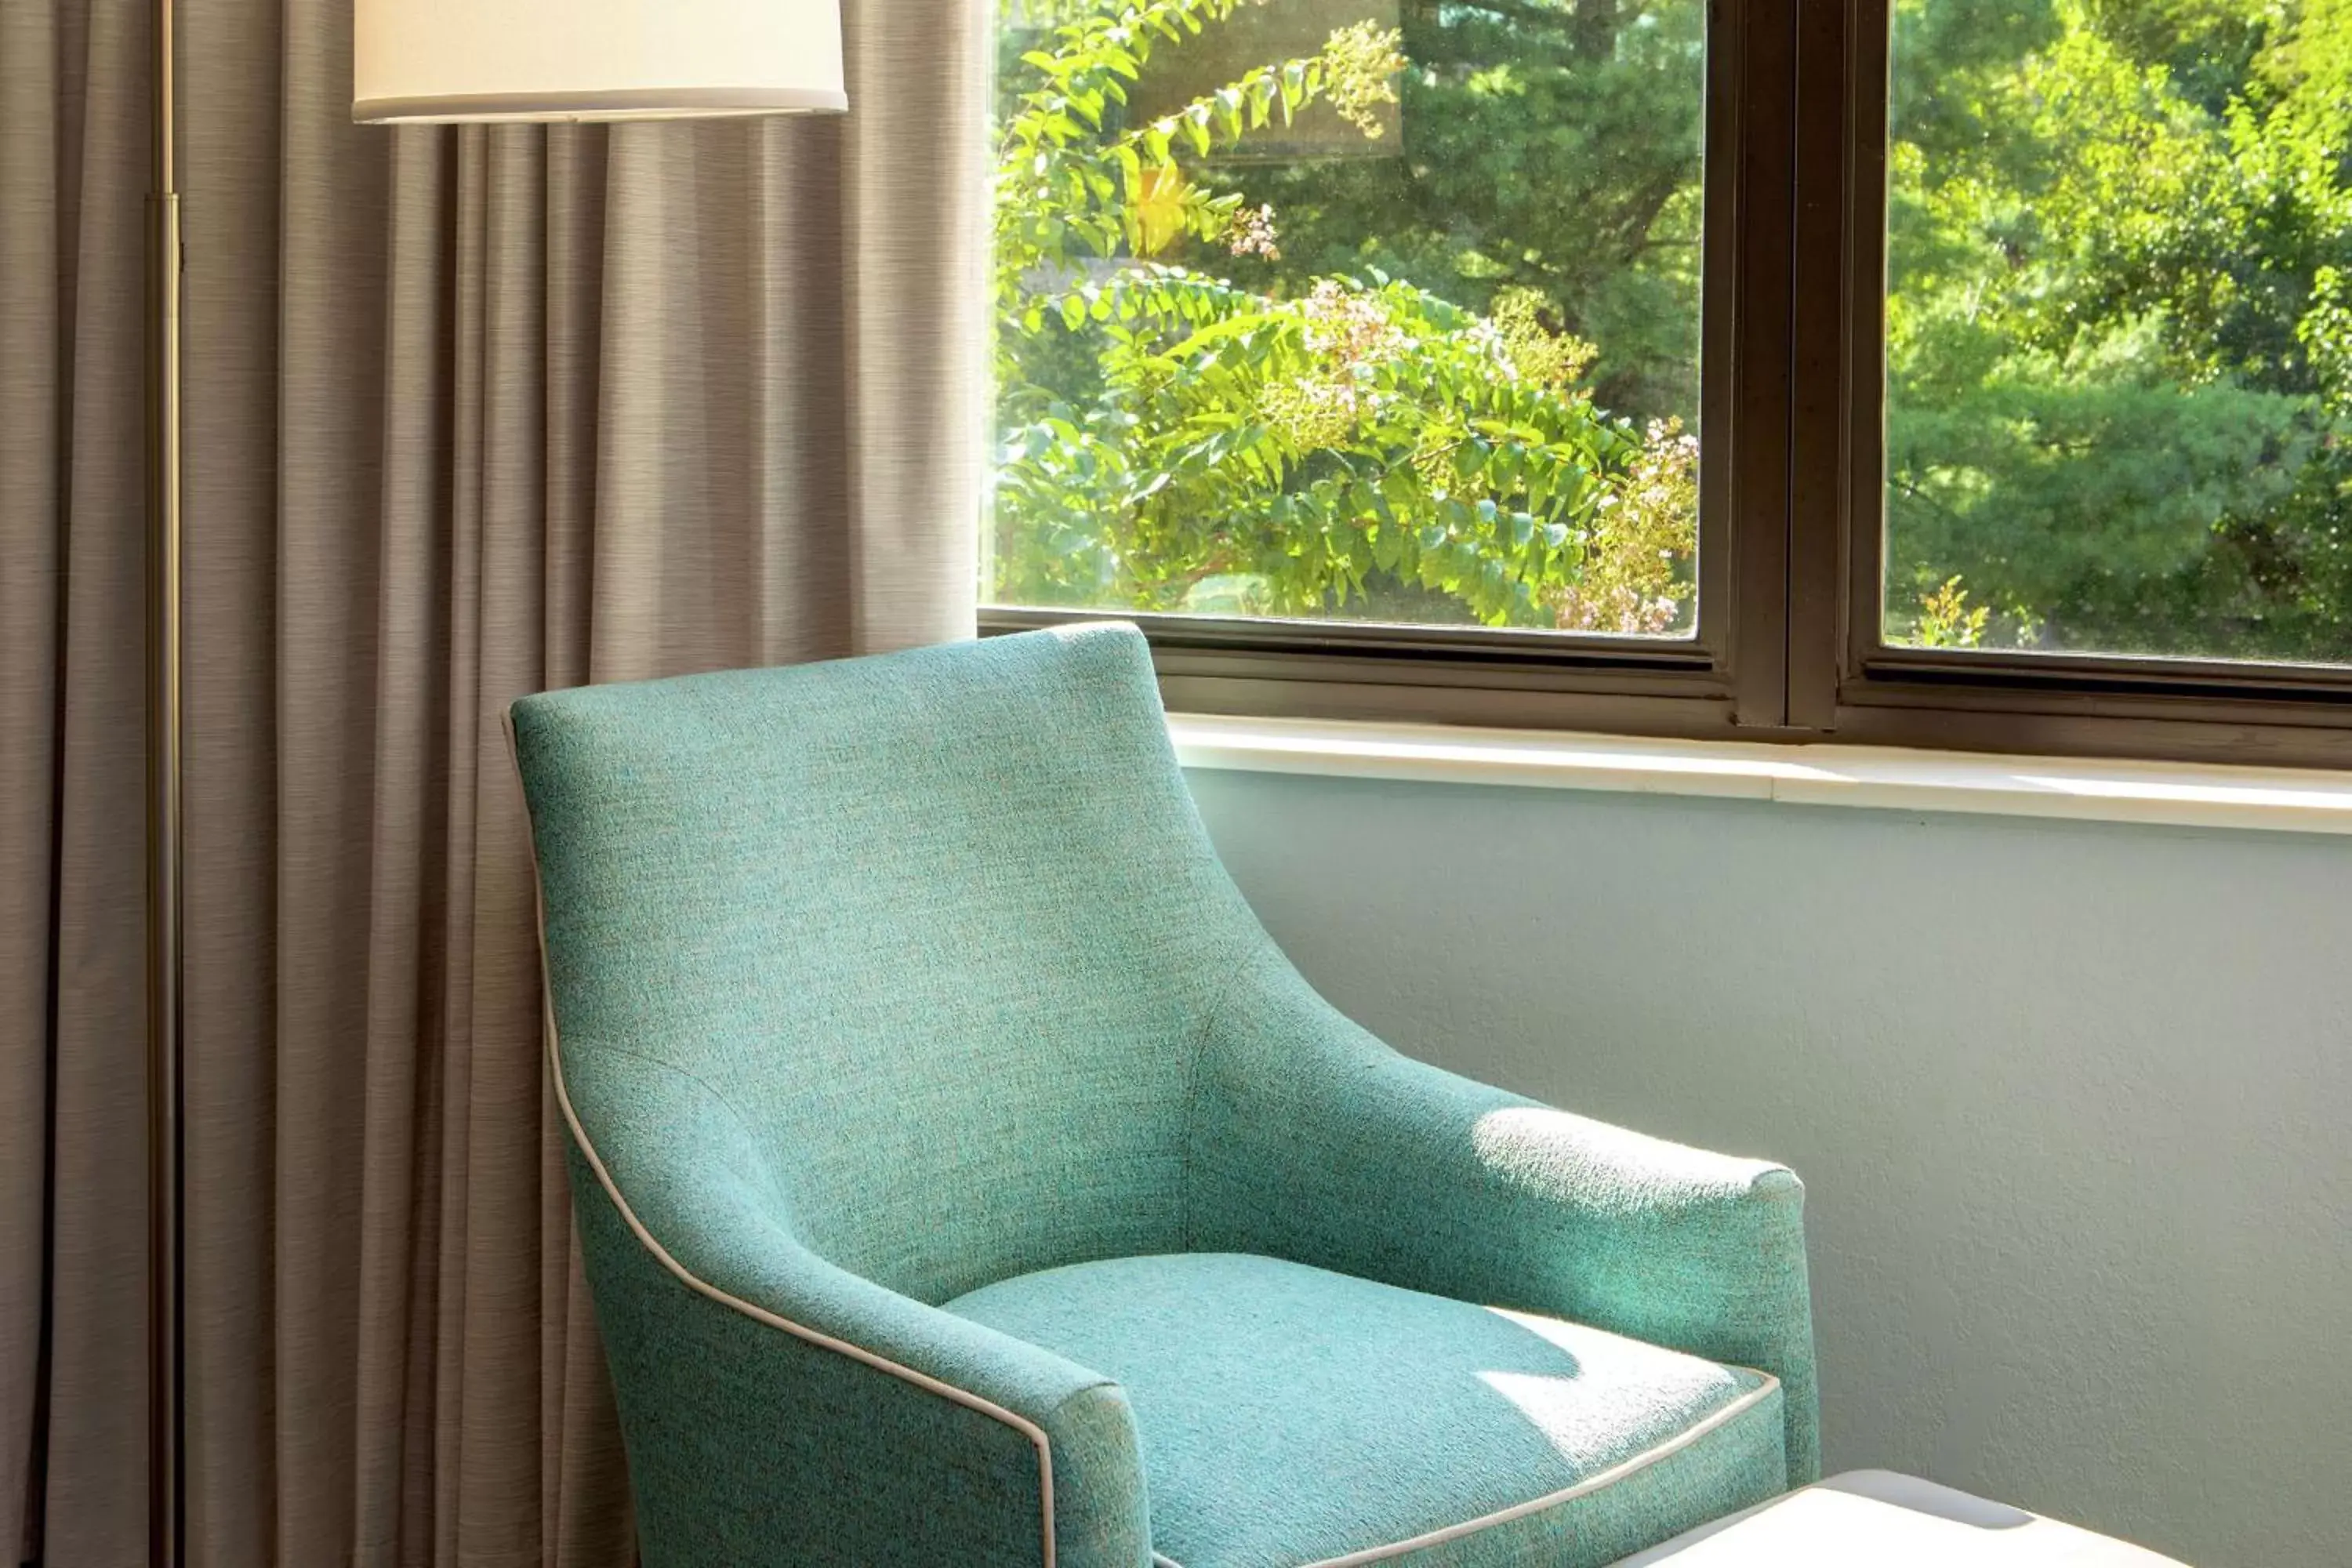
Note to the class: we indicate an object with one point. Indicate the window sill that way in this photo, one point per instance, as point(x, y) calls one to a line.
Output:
point(2178, 794)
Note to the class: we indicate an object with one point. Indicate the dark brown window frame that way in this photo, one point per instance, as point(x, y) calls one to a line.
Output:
point(1788, 643)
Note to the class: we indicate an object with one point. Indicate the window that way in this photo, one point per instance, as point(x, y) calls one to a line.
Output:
point(1351, 309)
point(2119, 344)
point(1971, 373)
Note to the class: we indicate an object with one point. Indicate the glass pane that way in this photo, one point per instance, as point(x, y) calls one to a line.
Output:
point(1362, 310)
point(2119, 327)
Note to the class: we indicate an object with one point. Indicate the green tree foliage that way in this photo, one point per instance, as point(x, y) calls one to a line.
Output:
point(1551, 147)
point(2115, 333)
point(1302, 440)
point(1455, 379)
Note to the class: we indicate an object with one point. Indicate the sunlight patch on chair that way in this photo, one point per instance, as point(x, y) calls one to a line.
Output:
point(1585, 1389)
point(1559, 1407)
point(1612, 1170)
point(1567, 1336)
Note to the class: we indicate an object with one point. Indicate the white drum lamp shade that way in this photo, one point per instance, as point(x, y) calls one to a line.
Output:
point(441, 60)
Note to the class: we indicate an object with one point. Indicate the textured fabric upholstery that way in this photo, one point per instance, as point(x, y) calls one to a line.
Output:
point(882, 982)
point(1288, 1415)
point(1313, 1141)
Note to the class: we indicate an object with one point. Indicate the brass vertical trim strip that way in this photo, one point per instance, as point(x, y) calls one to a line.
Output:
point(165, 1504)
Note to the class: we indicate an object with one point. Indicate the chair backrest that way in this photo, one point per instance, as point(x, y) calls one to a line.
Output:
point(941, 927)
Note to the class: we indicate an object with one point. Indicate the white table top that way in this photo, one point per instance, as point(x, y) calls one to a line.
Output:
point(1870, 1519)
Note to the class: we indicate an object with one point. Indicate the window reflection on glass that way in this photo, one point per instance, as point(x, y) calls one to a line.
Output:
point(1365, 309)
point(2119, 327)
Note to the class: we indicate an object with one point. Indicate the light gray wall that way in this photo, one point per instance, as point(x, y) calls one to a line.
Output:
point(2073, 1102)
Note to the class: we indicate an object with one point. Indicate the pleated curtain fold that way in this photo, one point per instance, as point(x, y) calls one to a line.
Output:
point(470, 414)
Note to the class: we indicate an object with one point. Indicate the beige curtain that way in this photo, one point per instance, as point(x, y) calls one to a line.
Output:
point(73, 162)
point(470, 413)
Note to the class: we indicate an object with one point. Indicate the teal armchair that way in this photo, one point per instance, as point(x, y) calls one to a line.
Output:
point(966, 1178)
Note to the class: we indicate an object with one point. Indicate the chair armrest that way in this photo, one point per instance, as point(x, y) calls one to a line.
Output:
point(1312, 1140)
point(784, 1410)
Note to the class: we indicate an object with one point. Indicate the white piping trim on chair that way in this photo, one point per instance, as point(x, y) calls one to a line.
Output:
point(1585, 1487)
point(1027, 1428)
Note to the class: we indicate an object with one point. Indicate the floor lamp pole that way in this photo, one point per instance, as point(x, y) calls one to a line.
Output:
point(165, 1469)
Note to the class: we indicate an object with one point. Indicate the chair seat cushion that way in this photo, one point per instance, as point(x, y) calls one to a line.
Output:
point(1290, 1415)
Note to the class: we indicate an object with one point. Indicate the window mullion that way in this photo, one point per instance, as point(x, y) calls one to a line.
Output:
point(1766, 148)
point(1835, 324)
